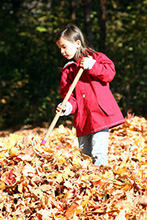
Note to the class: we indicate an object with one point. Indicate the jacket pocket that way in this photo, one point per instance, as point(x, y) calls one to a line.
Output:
point(108, 104)
point(108, 110)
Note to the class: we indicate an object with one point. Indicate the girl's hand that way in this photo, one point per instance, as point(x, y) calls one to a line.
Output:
point(87, 62)
point(59, 109)
point(64, 111)
point(82, 62)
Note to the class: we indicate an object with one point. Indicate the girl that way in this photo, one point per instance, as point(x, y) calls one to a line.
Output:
point(92, 103)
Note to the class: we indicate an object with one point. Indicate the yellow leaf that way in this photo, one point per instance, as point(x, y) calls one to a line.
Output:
point(120, 170)
point(14, 218)
point(59, 177)
point(2, 155)
point(14, 151)
point(109, 174)
point(20, 187)
point(77, 162)
point(85, 202)
point(127, 187)
point(12, 140)
point(144, 150)
point(2, 185)
point(61, 159)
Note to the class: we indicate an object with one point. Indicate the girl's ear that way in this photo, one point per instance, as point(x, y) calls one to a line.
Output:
point(78, 43)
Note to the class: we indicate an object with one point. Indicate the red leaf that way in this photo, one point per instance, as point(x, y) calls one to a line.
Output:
point(9, 177)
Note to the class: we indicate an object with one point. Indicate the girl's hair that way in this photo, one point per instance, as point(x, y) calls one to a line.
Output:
point(72, 33)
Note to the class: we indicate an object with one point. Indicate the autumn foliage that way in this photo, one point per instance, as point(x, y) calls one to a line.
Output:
point(54, 181)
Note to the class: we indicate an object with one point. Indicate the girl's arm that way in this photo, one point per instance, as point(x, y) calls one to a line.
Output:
point(103, 67)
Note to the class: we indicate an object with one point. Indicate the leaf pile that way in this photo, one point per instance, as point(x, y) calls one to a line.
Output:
point(54, 181)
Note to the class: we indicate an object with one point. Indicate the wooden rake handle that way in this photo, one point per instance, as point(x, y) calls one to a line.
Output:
point(53, 123)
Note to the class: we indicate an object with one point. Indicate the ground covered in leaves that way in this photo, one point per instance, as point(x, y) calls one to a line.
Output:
point(54, 181)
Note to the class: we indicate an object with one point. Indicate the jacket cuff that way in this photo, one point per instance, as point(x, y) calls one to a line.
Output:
point(89, 64)
point(68, 110)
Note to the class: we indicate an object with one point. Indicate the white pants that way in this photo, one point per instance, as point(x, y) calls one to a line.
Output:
point(96, 146)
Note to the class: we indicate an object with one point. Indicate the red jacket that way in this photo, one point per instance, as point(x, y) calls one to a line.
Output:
point(94, 106)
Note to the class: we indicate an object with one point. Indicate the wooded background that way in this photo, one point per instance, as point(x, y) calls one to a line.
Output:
point(29, 57)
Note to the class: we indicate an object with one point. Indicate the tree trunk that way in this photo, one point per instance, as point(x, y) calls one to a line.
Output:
point(87, 22)
point(73, 10)
point(102, 25)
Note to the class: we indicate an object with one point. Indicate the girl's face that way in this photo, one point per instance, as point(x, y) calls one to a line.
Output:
point(68, 48)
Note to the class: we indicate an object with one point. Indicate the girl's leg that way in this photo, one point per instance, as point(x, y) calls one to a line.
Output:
point(99, 142)
point(85, 144)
